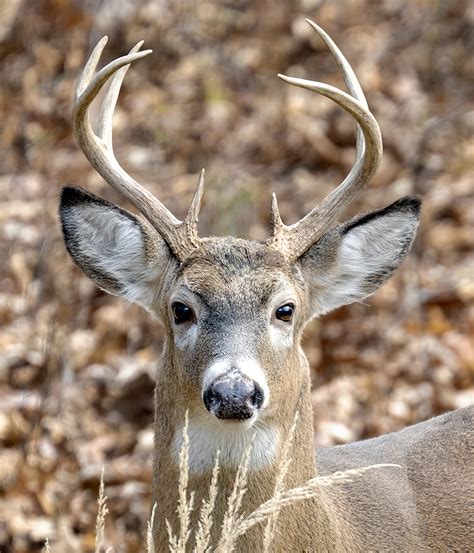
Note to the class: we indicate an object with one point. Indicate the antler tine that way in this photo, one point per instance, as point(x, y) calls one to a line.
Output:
point(351, 80)
point(98, 148)
point(193, 214)
point(350, 77)
point(294, 240)
point(104, 125)
point(277, 223)
point(90, 67)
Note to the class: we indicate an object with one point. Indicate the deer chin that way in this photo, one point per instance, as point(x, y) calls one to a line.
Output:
point(209, 435)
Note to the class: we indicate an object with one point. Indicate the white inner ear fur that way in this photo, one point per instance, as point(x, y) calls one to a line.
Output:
point(372, 249)
point(113, 244)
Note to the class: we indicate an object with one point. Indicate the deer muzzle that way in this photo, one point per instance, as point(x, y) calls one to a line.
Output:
point(233, 396)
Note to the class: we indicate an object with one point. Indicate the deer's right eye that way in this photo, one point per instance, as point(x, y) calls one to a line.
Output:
point(182, 313)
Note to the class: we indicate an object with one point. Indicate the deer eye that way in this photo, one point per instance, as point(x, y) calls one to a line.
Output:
point(182, 313)
point(285, 312)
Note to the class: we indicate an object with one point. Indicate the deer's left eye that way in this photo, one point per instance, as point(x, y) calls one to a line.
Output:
point(285, 312)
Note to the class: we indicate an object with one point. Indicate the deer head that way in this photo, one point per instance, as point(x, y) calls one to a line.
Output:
point(234, 310)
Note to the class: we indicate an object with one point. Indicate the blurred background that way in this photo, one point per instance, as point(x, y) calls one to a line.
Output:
point(76, 365)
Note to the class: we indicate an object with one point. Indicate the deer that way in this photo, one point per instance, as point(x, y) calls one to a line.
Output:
point(233, 312)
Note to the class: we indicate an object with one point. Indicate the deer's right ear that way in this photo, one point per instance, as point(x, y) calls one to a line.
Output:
point(121, 253)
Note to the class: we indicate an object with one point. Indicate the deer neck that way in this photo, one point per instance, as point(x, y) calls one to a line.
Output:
point(264, 464)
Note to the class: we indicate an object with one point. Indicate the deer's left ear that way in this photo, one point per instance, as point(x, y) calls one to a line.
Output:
point(351, 261)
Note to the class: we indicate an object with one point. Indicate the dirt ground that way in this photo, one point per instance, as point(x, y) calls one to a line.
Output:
point(76, 365)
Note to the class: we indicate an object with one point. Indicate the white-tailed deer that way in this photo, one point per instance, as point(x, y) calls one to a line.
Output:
point(234, 311)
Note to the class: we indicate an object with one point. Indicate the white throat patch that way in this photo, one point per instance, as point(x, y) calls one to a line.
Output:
point(208, 435)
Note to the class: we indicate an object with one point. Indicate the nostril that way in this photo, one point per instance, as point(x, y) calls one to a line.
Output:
point(209, 397)
point(257, 396)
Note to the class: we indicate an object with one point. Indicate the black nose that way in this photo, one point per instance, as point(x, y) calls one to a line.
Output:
point(233, 396)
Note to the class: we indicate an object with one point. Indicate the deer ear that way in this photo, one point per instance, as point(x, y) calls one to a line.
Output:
point(121, 253)
point(351, 261)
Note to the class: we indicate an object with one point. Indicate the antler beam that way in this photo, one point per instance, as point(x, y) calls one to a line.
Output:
point(181, 236)
point(295, 239)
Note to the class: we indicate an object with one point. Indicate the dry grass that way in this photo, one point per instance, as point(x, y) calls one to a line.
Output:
point(285, 463)
point(231, 517)
point(203, 534)
point(301, 493)
point(101, 515)
point(149, 533)
point(234, 524)
point(185, 504)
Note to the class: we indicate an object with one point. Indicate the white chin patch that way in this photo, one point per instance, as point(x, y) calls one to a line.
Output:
point(208, 435)
point(246, 366)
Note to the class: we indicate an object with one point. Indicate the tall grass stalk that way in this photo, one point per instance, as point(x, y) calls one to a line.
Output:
point(150, 547)
point(231, 517)
point(185, 505)
point(285, 463)
point(101, 515)
point(307, 491)
point(234, 524)
point(203, 534)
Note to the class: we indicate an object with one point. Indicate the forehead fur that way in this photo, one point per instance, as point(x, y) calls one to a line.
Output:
point(225, 266)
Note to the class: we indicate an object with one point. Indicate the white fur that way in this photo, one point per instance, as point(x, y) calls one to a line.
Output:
point(365, 250)
point(185, 336)
point(185, 339)
point(281, 333)
point(281, 337)
point(246, 366)
point(208, 435)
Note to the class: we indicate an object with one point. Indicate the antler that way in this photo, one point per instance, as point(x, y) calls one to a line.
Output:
point(181, 236)
point(295, 239)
